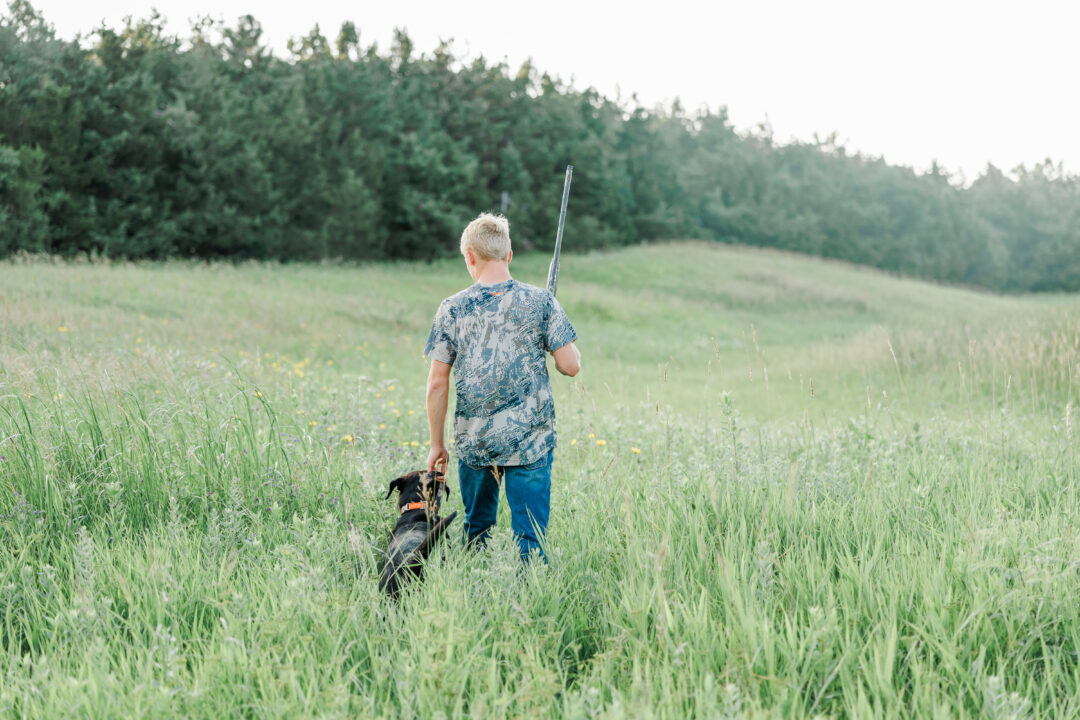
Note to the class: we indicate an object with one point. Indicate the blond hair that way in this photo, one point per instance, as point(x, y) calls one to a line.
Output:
point(488, 236)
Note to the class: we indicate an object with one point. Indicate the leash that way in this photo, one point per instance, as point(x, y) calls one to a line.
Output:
point(423, 504)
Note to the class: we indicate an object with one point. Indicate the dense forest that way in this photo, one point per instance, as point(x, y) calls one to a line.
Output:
point(134, 143)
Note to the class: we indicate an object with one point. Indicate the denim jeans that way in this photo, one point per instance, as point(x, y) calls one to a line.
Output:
point(528, 493)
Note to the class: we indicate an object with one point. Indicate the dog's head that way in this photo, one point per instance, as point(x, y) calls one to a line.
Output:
point(419, 485)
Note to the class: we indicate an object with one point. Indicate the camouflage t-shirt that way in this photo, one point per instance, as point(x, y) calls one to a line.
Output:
point(495, 337)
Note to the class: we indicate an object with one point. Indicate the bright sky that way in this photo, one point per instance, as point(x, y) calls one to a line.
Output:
point(961, 82)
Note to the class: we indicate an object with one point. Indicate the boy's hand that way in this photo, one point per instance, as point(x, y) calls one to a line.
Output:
point(437, 459)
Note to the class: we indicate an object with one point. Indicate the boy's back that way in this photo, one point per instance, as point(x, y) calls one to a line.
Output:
point(496, 336)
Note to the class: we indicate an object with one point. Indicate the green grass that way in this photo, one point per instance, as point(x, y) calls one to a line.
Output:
point(784, 488)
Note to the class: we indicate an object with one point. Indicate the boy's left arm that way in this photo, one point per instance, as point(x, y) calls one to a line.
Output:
point(438, 394)
point(442, 350)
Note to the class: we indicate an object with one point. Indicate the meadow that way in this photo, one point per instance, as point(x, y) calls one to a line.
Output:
point(784, 487)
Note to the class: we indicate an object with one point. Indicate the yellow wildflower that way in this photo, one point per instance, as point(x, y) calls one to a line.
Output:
point(382, 426)
point(412, 412)
point(258, 393)
point(58, 396)
point(592, 435)
point(636, 451)
point(601, 443)
point(347, 438)
point(61, 329)
point(138, 340)
point(573, 442)
point(414, 443)
point(390, 403)
point(312, 423)
point(299, 412)
point(392, 388)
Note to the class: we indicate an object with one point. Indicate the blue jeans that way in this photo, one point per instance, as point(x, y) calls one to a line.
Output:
point(528, 492)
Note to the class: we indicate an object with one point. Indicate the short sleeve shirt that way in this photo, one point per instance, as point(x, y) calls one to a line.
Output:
point(495, 337)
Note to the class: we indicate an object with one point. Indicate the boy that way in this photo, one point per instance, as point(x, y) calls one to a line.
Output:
point(494, 334)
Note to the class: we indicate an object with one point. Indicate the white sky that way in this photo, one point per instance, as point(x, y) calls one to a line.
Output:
point(961, 82)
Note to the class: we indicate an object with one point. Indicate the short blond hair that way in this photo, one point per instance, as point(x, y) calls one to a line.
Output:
point(488, 236)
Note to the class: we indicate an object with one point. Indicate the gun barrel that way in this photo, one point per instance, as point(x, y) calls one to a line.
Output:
point(553, 269)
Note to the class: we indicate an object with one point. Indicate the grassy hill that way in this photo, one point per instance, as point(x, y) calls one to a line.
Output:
point(674, 324)
point(785, 487)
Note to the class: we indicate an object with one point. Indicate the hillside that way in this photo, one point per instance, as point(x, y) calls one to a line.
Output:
point(784, 488)
point(675, 324)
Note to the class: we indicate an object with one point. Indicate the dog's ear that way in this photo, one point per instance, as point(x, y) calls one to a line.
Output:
point(395, 484)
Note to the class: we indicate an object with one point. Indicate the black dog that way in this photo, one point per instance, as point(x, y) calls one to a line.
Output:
point(417, 530)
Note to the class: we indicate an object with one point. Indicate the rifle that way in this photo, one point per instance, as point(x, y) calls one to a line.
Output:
point(553, 269)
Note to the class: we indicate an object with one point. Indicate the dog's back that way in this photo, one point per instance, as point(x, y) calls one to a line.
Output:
point(408, 550)
point(401, 556)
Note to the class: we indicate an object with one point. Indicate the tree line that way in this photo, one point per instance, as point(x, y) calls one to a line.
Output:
point(138, 144)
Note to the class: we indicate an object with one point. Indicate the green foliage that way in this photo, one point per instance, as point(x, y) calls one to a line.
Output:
point(24, 224)
point(141, 145)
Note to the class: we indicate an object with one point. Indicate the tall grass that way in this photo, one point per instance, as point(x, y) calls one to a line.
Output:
point(193, 523)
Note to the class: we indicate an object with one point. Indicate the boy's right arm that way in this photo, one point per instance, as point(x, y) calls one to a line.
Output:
point(559, 337)
point(568, 359)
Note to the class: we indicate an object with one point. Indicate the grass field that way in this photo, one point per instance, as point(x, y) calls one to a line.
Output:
point(784, 488)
